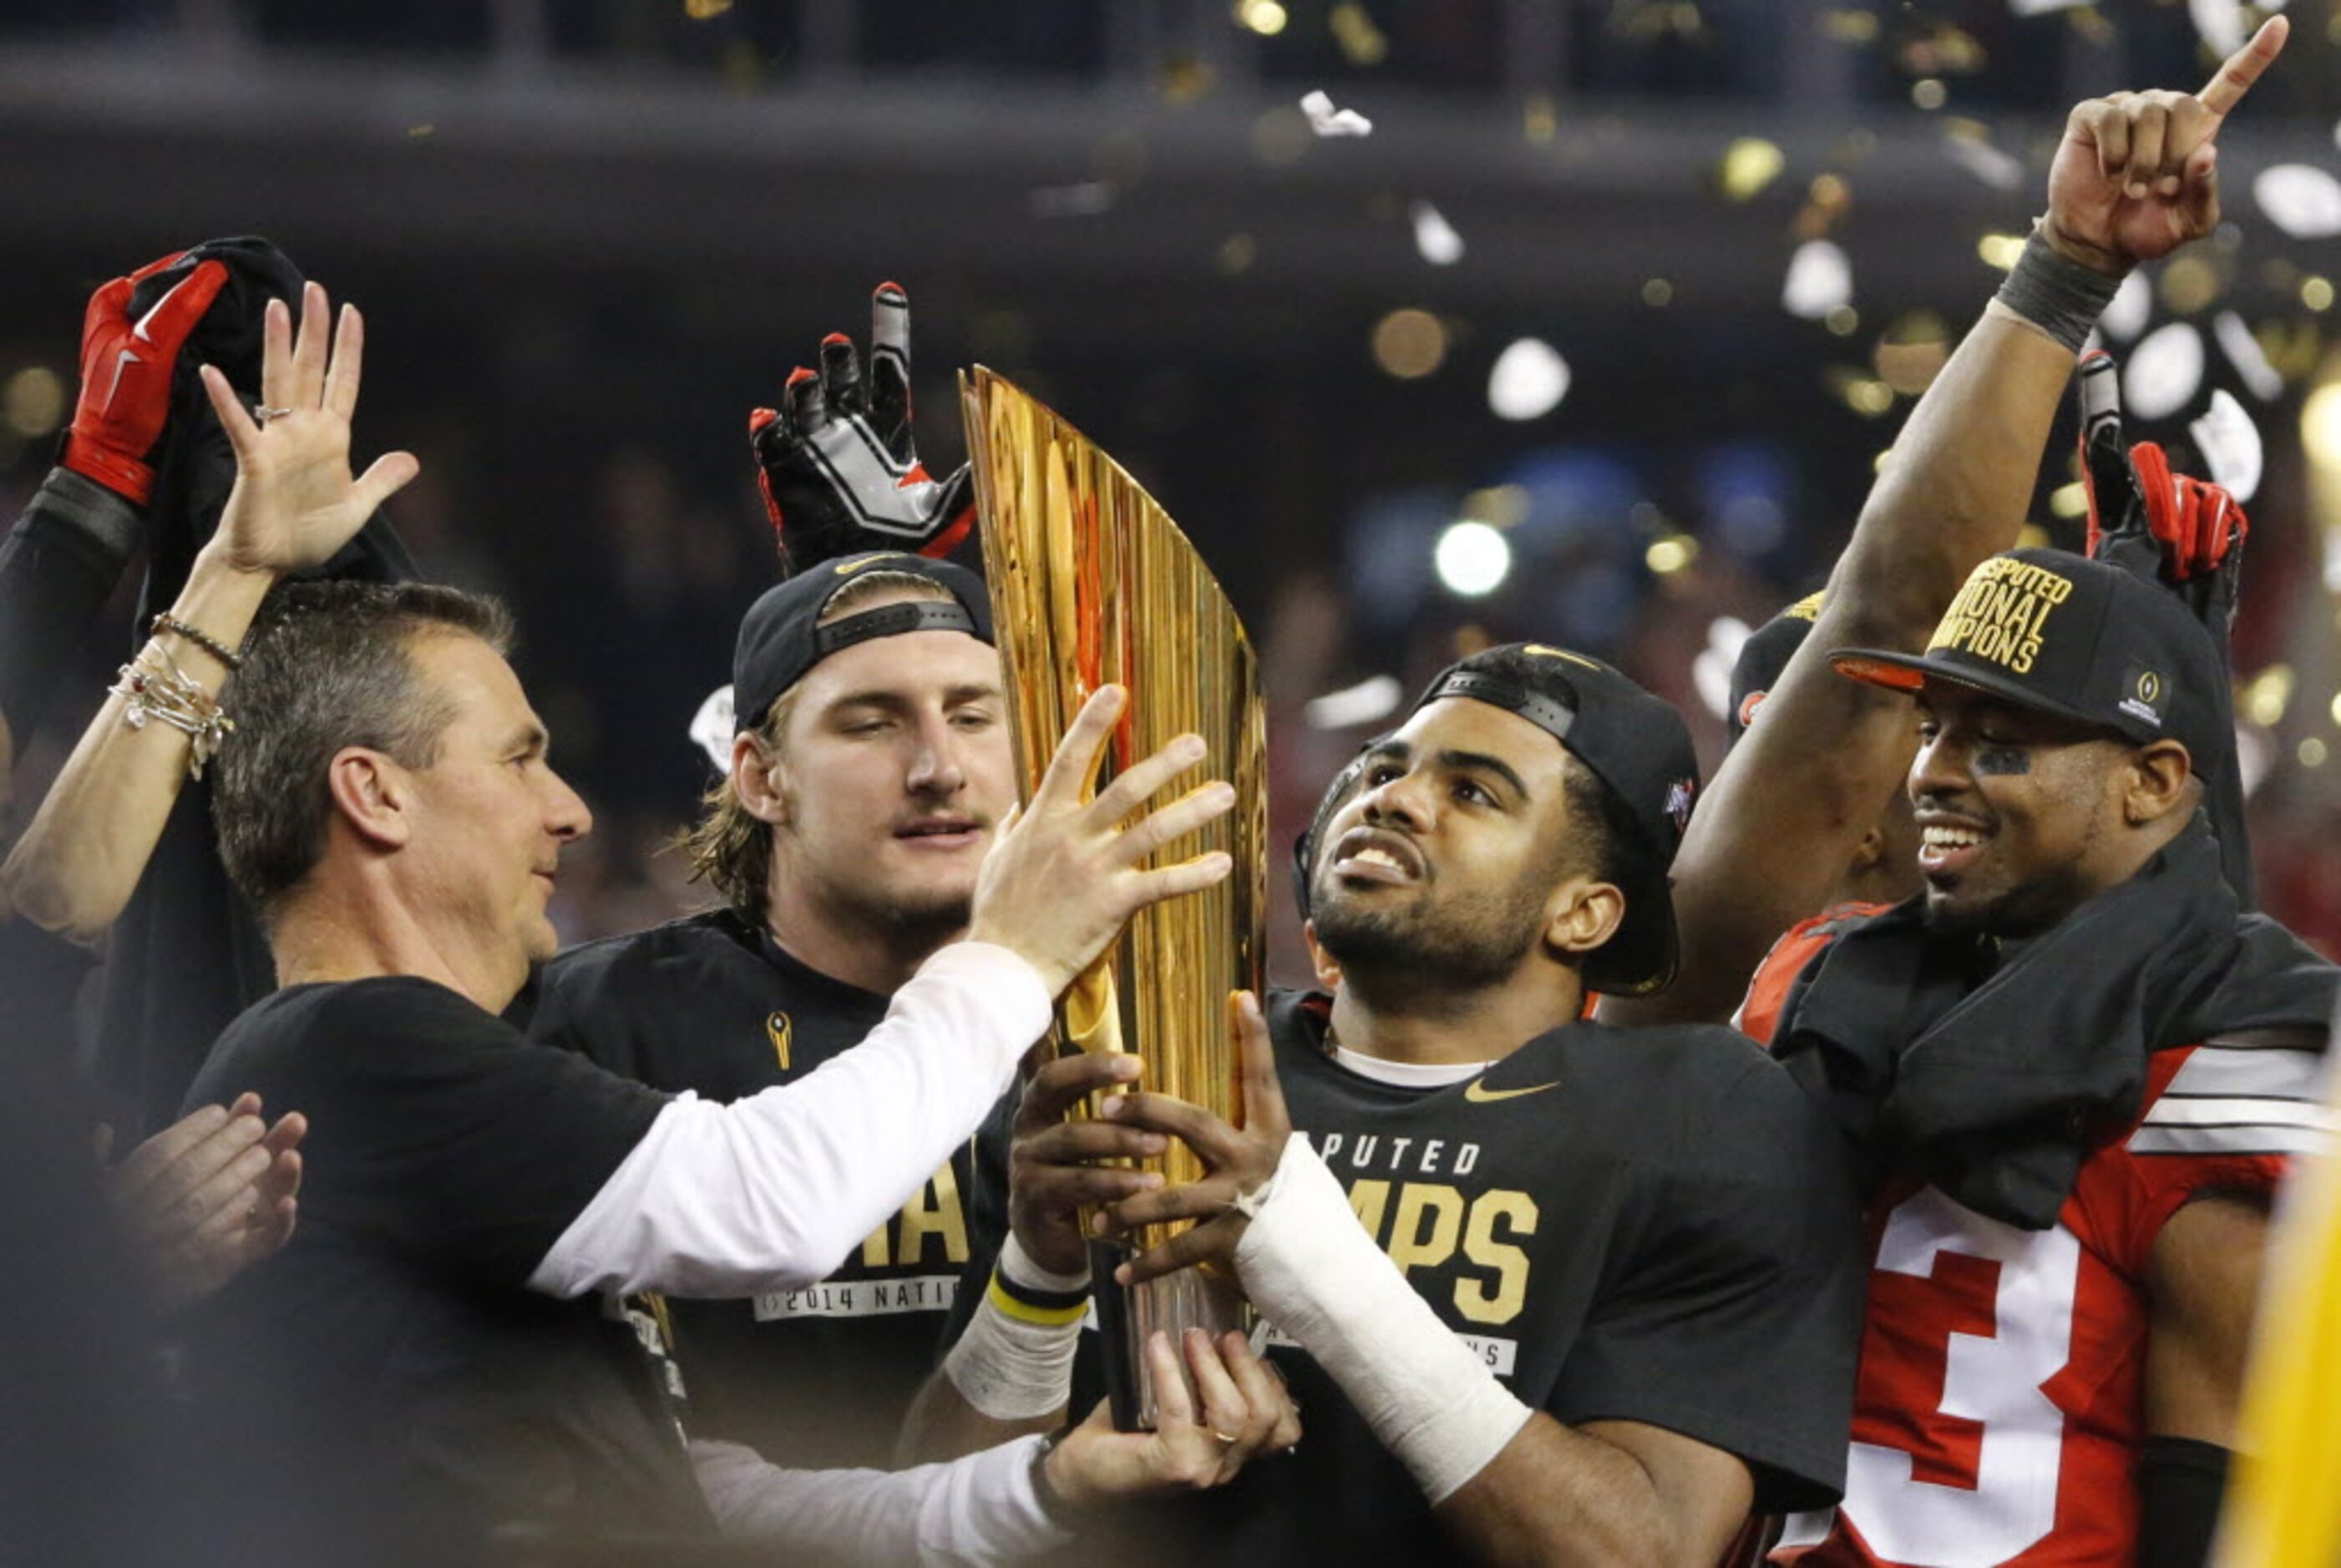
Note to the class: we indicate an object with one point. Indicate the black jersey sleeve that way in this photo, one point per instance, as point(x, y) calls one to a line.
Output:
point(434, 1127)
point(1734, 1319)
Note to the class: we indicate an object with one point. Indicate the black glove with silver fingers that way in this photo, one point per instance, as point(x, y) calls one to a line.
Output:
point(2184, 533)
point(838, 469)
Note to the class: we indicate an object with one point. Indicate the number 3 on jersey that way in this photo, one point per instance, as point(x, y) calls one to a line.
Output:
point(1955, 1454)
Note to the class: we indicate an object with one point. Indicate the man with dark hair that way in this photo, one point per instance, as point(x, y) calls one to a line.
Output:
point(869, 771)
point(1590, 1291)
point(388, 804)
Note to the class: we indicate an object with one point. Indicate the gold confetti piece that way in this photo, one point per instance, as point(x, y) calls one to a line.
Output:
point(1865, 396)
point(1281, 137)
point(1265, 18)
point(1657, 293)
point(33, 402)
point(2069, 500)
point(1184, 80)
point(2032, 536)
point(1236, 254)
point(1410, 343)
point(1669, 555)
point(1540, 120)
point(1749, 164)
point(700, 10)
point(1843, 322)
point(1500, 506)
point(417, 133)
point(1363, 42)
point(2000, 251)
point(2317, 294)
point(2312, 752)
point(2189, 283)
point(1929, 92)
point(1851, 27)
point(2266, 695)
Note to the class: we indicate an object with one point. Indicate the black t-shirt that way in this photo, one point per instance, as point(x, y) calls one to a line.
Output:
point(1646, 1224)
point(819, 1378)
point(425, 1390)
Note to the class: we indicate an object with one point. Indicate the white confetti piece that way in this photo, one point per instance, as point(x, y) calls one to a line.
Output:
point(2230, 445)
point(1376, 697)
point(2163, 372)
point(1327, 120)
point(1995, 166)
point(711, 728)
point(2244, 351)
point(1529, 380)
point(1819, 279)
point(2301, 198)
point(1434, 238)
point(2126, 315)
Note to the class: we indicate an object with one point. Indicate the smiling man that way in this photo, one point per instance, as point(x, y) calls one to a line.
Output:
point(2077, 1070)
point(1549, 1291)
point(869, 771)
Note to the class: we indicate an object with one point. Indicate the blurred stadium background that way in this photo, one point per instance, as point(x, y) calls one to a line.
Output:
point(1597, 337)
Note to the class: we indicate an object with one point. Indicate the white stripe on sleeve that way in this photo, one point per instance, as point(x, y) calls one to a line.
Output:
point(773, 1192)
point(978, 1509)
point(2270, 1072)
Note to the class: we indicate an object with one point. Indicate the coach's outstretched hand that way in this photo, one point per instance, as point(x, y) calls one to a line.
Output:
point(1242, 1160)
point(2138, 174)
point(1245, 1413)
point(836, 462)
point(295, 502)
point(1064, 874)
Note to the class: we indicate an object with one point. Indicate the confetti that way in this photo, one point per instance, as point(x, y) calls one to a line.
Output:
point(1084, 200)
point(2127, 315)
point(1376, 697)
point(711, 728)
point(1748, 165)
point(1995, 167)
point(1472, 559)
point(2043, 7)
point(1363, 42)
point(2251, 362)
point(2230, 445)
point(1710, 671)
point(2220, 24)
point(2301, 198)
point(1529, 380)
point(1327, 120)
point(2163, 372)
point(1821, 279)
point(1434, 238)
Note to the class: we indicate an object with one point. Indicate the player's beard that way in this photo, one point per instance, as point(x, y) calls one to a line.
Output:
point(1392, 958)
point(912, 920)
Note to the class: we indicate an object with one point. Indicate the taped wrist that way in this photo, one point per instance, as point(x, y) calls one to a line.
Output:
point(1014, 1361)
point(2057, 293)
point(1312, 1270)
point(2179, 1483)
point(57, 566)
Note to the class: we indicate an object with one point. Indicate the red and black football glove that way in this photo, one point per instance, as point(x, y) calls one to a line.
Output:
point(126, 376)
point(838, 469)
point(2184, 533)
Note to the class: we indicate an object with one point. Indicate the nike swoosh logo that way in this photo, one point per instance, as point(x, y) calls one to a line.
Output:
point(845, 568)
point(1478, 1093)
point(122, 361)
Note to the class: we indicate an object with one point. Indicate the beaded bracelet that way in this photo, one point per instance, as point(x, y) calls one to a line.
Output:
point(166, 621)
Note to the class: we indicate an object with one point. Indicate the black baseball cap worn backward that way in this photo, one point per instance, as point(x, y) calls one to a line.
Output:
point(1637, 746)
point(2061, 634)
point(782, 636)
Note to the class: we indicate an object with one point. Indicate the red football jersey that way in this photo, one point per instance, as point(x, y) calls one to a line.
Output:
point(2000, 1409)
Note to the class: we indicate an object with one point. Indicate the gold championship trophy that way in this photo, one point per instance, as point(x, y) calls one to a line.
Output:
point(1092, 584)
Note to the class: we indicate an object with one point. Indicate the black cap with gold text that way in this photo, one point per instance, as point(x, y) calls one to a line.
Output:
point(2058, 633)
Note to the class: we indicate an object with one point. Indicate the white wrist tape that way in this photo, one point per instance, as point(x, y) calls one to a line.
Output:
point(1313, 1271)
point(1015, 1359)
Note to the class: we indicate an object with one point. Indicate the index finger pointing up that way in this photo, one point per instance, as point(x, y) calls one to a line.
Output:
point(2241, 69)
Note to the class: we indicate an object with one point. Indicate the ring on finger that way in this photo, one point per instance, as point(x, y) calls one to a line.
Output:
point(1222, 1437)
point(262, 415)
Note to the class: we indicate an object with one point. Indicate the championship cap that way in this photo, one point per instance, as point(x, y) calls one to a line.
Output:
point(2080, 639)
point(1762, 657)
point(1633, 742)
point(782, 636)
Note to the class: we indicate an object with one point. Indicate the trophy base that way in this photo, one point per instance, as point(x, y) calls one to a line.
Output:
point(1174, 1304)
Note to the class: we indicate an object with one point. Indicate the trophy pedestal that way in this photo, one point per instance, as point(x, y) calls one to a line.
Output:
point(1174, 1304)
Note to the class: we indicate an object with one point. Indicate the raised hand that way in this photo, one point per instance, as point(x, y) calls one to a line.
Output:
point(295, 502)
point(2137, 175)
point(838, 468)
point(125, 375)
point(1244, 1412)
point(1240, 1160)
point(209, 1196)
point(1064, 876)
